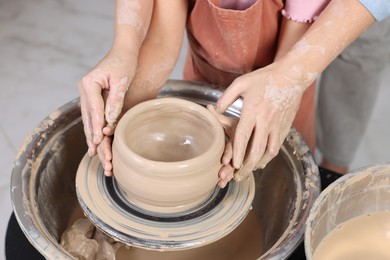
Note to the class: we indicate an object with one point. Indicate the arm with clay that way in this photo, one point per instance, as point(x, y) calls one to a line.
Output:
point(298, 16)
point(102, 90)
point(294, 24)
point(157, 57)
point(290, 32)
point(159, 51)
point(296, 21)
point(275, 91)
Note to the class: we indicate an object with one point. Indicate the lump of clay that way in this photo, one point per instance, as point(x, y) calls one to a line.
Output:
point(77, 240)
point(107, 246)
point(83, 241)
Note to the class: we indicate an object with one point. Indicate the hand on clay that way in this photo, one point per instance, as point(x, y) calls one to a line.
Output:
point(229, 124)
point(271, 98)
point(102, 93)
point(104, 151)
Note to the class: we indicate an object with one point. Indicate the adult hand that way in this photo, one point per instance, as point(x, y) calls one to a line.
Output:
point(271, 98)
point(102, 93)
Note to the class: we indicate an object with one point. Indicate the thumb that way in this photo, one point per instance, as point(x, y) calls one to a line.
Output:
point(230, 95)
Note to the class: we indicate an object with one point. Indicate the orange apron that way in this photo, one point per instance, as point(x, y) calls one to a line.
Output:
point(225, 44)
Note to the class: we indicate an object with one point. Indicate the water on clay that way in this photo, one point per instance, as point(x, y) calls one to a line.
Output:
point(245, 242)
point(361, 238)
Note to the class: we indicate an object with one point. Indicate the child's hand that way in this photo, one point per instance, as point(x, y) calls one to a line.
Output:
point(102, 92)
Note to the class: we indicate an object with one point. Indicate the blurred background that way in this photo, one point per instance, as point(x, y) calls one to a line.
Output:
point(45, 49)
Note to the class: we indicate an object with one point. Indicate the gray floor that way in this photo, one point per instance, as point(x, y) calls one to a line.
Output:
point(47, 46)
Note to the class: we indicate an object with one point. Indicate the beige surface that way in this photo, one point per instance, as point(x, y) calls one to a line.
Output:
point(362, 238)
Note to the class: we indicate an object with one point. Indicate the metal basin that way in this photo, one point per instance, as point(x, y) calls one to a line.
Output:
point(43, 188)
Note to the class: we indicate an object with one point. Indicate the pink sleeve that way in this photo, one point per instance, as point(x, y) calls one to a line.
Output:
point(304, 11)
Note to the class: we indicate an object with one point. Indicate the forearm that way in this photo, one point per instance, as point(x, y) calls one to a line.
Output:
point(159, 51)
point(339, 24)
point(290, 33)
point(131, 23)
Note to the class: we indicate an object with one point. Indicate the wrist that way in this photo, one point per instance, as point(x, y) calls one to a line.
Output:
point(124, 48)
point(125, 54)
point(295, 72)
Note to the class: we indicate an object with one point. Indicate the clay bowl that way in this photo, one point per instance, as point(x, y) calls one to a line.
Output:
point(167, 154)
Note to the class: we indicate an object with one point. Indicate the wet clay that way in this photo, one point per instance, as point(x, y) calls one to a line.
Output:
point(84, 241)
point(361, 238)
point(167, 154)
point(245, 242)
point(77, 240)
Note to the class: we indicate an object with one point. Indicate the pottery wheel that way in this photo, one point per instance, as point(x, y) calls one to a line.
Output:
point(105, 205)
point(109, 210)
